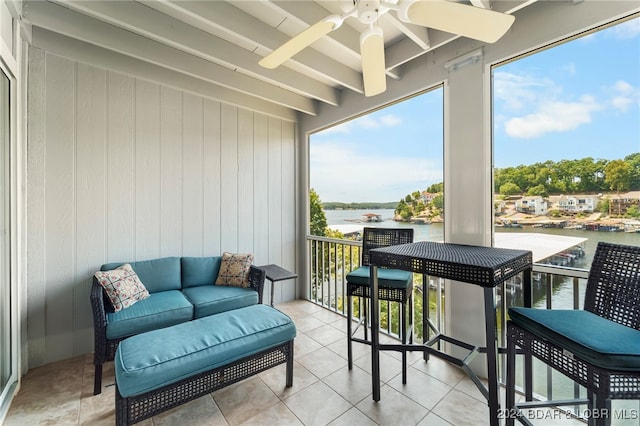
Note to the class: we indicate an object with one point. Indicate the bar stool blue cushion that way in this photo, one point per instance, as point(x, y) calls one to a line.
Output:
point(389, 278)
point(152, 360)
point(597, 340)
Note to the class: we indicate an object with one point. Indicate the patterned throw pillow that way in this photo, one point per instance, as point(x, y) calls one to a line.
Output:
point(122, 285)
point(234, 270)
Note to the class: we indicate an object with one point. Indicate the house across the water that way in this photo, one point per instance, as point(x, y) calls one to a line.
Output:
point(371, 217)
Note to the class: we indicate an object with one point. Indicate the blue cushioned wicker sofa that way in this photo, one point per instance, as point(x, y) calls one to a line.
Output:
point(181, 289)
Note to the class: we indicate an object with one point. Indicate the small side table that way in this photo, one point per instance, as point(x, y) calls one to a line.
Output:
point(275, 273)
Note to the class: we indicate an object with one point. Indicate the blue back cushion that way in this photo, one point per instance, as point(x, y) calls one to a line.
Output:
point(197, 271)
point(156, 275)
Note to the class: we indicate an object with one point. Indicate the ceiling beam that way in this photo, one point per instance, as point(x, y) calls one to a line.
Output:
point(74, 49)
point(160, 27)
point(417, 33)
point(225, 20)
point(73, 24)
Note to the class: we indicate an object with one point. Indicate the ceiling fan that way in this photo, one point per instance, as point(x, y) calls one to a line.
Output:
point(468, 21)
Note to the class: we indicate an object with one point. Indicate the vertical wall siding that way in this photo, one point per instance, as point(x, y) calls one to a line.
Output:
point(121, 169)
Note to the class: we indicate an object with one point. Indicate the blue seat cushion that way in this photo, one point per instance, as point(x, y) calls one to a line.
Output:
point(153, 360)
point(388, 278)
point(200, 270)
point(159, 310)
point(213, 299)
point(156, 275)
point(597, 340)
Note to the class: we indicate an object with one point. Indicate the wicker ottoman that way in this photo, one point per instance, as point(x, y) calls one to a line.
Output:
point(162, 369)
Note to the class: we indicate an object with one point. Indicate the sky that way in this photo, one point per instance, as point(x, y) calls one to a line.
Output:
point(576, 100)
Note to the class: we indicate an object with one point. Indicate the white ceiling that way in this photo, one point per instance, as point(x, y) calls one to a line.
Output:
point(219, 43)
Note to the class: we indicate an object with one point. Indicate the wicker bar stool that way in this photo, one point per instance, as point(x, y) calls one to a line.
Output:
point(394, 286)
point(598, 347)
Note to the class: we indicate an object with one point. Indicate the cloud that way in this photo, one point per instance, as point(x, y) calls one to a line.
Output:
point(624, 95)
point(390, 120)
point(519, 91)
point(627, 30)
point(554, 116)
point(535, 106)
point(339, 173)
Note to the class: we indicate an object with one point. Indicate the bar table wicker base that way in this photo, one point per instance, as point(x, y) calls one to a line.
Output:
point(487, 267)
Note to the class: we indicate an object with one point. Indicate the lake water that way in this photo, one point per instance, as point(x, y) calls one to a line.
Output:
point(435, 231)
point(562, 287)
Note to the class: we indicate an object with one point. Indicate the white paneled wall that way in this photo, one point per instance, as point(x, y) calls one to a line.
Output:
point(121, 169)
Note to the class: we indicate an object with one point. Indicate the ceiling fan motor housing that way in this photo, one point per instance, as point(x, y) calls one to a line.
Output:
point(368, 11)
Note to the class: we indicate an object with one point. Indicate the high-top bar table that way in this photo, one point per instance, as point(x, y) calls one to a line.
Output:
point(487, 267)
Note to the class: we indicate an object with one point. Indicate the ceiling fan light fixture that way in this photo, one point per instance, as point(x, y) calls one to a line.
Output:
point(373, 64)
point(368, 11)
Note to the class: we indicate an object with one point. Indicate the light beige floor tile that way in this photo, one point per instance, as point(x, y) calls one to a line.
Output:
point(201, 411)
point(243, 400)
point(303, 345)
point(441, 370)
point(467, 386)
point(389, 366)
point(322, 362)
point(97, 409)
point(306, 306)
point(326, 334)
point(420, 387)
point(353, 417)
point(354, 385)
point(461, 409)
point(32, 413)
point(290, 310)
point(317, 405)
point(276, 379)
point(433, 420)
point(327, 316)
point(306, 323)
point(279, 415)
point(358, 349)
point(393, 408)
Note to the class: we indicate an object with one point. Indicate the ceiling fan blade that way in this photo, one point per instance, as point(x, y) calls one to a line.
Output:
point(468, 21)
point(299, 42)
point(373, 67)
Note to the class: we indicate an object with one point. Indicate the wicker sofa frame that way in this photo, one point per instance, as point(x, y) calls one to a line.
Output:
point(105, 349)
point(613, 291)
point(136, 408)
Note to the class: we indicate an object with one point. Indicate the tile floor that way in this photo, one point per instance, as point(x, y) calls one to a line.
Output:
point(324, 392)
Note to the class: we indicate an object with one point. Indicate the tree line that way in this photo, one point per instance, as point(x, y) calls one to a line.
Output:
point(570, 177)
point(359, 206)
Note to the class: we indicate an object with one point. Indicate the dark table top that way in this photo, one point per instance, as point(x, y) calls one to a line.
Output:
point(484, 266)
point(276, 273)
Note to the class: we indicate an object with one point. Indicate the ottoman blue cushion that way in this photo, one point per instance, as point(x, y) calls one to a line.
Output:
point(156, 275)
point(390, 278)
point(155, 359)
point(590, 337)
point(213, 299)
point(157, 311)
point(200, 270)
